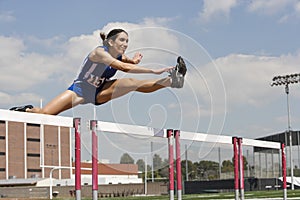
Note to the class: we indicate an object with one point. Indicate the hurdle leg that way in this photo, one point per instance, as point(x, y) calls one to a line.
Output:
point(283, 160)
point(93, 125)
point(171, 163)
point(178, 164)
point(236, 169)
point(76, 124)
point(241, 167)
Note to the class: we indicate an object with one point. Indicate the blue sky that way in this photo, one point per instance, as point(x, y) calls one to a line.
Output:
point(233, 49)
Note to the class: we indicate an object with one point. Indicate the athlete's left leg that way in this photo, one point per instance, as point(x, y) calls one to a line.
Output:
point(116, 88)
point(62, 102)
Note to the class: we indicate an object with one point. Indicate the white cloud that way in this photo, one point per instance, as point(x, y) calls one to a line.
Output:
point(297, 7)
point(284, 120)
point(161, 21)
point(21, 70)
point(293, 14)
point(216, 8)
point(7, 16)
point(268, 6)
point(247, 78)
point(18, 99)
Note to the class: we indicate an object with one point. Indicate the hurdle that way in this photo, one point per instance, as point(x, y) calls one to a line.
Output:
point(93, 124)
point(76, 124)
point(171, 163)
point(192, 136)
point(178, 164)
point(236, 169)
point(237, 142)
point(239, 166)
point(283, 170)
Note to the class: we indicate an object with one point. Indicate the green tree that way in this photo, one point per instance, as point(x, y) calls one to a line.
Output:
point(157, 162)
point(192, 170)
point(141, 168)
point(244, 161)
point(141, 165)
point(227, 166)
point(126, 159)
point(207, 170)
point(164, 169)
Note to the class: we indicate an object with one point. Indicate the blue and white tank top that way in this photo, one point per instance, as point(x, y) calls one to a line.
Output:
point(95, 73)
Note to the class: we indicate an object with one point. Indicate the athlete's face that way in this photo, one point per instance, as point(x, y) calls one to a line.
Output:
point(120, 44)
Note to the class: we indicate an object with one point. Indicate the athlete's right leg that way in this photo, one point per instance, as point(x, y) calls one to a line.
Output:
point(119, 87)
point(62, 102)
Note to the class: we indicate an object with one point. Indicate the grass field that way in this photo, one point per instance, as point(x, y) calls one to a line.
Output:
point(295, 194)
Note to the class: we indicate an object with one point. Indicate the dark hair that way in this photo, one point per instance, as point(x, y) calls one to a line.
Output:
point(111, 35)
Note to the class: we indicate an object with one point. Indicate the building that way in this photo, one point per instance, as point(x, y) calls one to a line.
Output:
point(112, 173)
point(31, 145)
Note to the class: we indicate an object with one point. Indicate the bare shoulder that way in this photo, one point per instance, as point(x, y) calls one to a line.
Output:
point(99, 55)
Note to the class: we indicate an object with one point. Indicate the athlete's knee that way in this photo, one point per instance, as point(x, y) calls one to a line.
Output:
point(132, 81)
point(49, 111)
point(40, 111)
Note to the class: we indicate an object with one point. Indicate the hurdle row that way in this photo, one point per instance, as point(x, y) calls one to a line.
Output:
point(171, 135)
point(6, 115)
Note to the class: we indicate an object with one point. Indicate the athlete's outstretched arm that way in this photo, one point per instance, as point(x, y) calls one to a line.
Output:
point(101, 56)
point(131, 68)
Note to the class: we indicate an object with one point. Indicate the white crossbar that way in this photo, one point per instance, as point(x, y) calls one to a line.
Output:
point(33, 118)
point(204, 137)
point(260, 143)
point(130, 129)
point(184, 135)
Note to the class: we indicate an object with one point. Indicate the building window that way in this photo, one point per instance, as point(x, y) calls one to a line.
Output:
point(34, 170)
point(33, 139)
point(2, 122)
point(2, 153)
point(2, 137)
point(36, 125)
point(33, 155)
point(2, 169)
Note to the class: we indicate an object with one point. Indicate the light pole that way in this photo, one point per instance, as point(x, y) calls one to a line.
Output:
point(186, 165)
point(286, 80)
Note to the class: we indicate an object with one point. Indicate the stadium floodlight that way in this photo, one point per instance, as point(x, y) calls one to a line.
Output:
point(286, 80)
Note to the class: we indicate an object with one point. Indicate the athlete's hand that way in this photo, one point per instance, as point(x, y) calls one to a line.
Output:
point(162, 70)
point(137, 58)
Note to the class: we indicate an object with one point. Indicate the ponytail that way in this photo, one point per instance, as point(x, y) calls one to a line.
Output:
point(103, 36)
point(104, 39)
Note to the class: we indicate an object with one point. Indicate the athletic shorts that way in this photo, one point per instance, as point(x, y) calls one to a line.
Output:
point(88, 92)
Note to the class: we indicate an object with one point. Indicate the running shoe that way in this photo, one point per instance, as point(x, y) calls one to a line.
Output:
point(21, 108)
point(178, 73)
